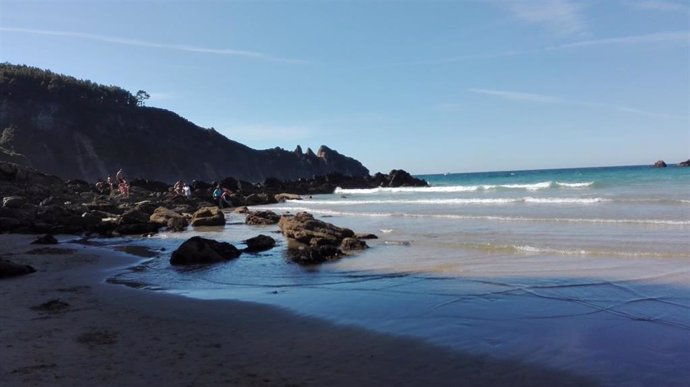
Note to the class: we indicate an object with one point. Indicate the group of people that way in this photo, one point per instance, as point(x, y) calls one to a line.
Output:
point(182, 189)
point(109, 184)
point(221, 194)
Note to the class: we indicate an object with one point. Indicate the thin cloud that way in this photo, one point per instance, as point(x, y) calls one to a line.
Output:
point(142, 43)
point(659, 5)
point(517, 96)
point(561, 16)
point(540, 98)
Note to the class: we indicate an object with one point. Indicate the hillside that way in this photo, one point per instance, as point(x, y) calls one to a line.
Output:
point(78, 129)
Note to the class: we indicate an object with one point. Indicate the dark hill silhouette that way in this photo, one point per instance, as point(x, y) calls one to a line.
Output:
point(78, 129)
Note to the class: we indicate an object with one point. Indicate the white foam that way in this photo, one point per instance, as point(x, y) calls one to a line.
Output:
point(575, 185)
point(656, 222)
point(456, 201)
point(564, 200)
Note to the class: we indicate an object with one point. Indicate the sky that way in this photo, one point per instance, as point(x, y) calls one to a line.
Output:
point(426, 86)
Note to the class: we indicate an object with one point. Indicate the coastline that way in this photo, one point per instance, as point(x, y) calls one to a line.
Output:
point(116, 335)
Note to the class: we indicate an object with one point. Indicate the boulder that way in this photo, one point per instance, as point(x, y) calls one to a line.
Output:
point(349, 244)
point(241, 210)
point(47, 239)
point(262, 218)
point(660, 164)
point(365, 236)
point(282, 197)
point(197, 250)
point(400, 178)
point(11, 269)
point(165, 217)
point(259, 199)
point(137, 228)
point(134, 216)
point(7, 223)
point(13, 201)
point(177, 224)
point(208, 216)
point(314, 255)
point(260, 243)
point(303, 228)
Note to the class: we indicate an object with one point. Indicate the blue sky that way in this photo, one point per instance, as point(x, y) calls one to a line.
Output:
point(427, 86)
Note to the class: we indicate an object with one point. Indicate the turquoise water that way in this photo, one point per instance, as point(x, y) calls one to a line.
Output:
point(586, 270)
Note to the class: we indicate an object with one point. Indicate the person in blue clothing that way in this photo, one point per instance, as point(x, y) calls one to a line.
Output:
point(222, 195)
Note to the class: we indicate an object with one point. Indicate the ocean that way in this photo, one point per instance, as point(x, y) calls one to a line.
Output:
point(585, 270)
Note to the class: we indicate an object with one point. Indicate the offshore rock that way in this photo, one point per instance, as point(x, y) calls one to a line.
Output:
point(684, 163)
point(660, 164)
point(208, 216)
point(260, 243)
point(11, 269)
point(198, 250)
point(262, 218)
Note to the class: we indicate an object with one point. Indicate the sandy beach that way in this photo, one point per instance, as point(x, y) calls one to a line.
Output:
point(105, 334)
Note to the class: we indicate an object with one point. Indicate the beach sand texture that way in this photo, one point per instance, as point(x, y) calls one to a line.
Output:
point(99, 334)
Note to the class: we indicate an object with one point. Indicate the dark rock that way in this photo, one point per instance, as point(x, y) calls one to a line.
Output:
point(400, 178)
point(208, 216)
point(150, 185)
point(45, 240)
point(11, 269)
point(349, 244)
point(314, 255)
point(164, 216)
point(365, 236)
point(134, 216)
point(177, 224)
point(259, 199)
point(8, 224)
point(303, 228)
point(262, 218)
point(198, 250)
point(684, 163)
point(660, 164)
point(260, 243)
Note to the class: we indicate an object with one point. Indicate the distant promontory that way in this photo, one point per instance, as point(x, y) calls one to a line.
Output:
point(78, 129)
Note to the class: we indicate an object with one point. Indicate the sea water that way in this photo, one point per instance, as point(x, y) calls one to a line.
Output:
point(586, 270)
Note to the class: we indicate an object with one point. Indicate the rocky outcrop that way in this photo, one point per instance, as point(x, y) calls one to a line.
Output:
point(43, 114)
point(169, 218)
point(208, 216)
point(660, 164)
point(684, 163)
point(260, 243)
point(313, 241)
point(261, 218)
point(198, 250)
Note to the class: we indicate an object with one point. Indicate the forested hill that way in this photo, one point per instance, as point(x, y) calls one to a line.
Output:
point(79, 129)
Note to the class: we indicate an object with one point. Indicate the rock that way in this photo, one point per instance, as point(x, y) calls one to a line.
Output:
point(400, 178)
point(684, 163)
point(314, 255)
point(259, 199)
point(13, 201)
point(11, 269)
point(303, 228)
point(47, 239)
point(163, 216)
point(208, 216)
point(177, 224)
point(134, 216)
point(660, 164)
point(260, 243)
point(7, 224)
point(196, 250)
point(282, 197)
point(262, 218)
point(365, 236)
point(349, 244)
point(150, 185)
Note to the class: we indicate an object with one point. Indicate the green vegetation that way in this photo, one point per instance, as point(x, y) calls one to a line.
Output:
point(31, 83)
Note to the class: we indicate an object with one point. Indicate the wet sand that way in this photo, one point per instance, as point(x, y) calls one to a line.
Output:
point(65, 326)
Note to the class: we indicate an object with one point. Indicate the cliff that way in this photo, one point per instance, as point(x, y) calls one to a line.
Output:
point(77, 129)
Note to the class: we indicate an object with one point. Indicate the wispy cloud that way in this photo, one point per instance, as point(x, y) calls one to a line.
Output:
point(540, 98)
point(659, 5)
point(167, 46)
point(517, 96)
point(561, 16)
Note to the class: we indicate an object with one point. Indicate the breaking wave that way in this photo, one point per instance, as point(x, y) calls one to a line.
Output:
point(466, 188)
point(458, 201)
